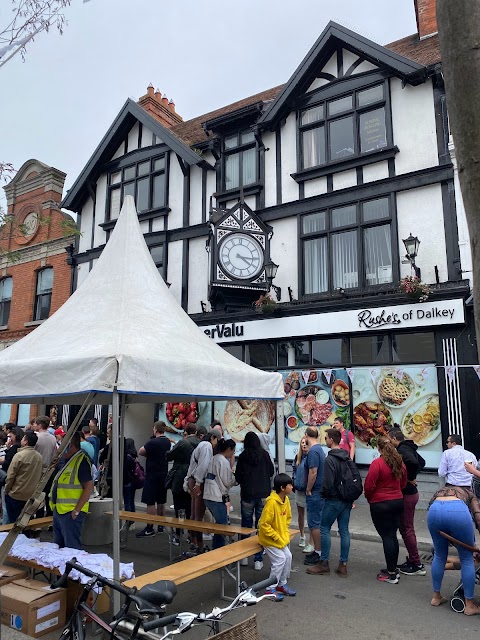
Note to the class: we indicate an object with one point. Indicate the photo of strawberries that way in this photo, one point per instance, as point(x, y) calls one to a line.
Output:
point(180, 413)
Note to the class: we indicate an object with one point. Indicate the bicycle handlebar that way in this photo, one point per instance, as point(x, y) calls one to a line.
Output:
point(105, 582)
point(263, 584)
point(159, 622)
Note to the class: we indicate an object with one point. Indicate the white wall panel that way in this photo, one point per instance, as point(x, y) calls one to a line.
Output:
point(348, 59)
point(174, 268)
point(283, 250)
point(318, 83)
point(83, 269)
point(363, 67)
point(86, 221)
point(289, 159)
point(119, 152)
point(270, 169)
point(463, 232)
point(413, 117)
point(175, 198)
point(344, 179)
point(197, 275)
point(133, 138)
point(316, 187)
point(195, 195)
point(144, 226)
point(100, 235)
point(158, 224)
point(147, 137)
point(138, 422)
point(376, 171)
point(420, 212)
point(251, 202)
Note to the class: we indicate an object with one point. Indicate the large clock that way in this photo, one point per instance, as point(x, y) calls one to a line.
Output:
point(241, 256)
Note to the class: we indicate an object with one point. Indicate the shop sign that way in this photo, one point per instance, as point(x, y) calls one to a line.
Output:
point(407, 316)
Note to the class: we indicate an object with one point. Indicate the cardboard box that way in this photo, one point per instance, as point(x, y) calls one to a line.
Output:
point(9, 574)
point(30, 606)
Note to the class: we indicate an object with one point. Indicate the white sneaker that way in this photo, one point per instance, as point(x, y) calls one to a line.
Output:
point(258, 565)
point(244, 562)
point(208, 537)
point(308, 548)
point(302, 542)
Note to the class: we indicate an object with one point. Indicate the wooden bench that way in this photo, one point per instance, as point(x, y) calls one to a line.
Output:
point(38, 523)
point(228, 530)
point(205, 563)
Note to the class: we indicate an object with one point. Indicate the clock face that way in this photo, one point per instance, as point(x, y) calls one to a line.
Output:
point(241, 256)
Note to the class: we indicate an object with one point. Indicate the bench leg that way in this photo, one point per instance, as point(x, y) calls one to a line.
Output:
point(233, 572)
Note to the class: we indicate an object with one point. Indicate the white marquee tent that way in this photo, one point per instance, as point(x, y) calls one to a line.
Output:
point(123, 335)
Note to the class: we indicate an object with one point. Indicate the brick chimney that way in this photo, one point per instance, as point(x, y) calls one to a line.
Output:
point(160, 107)
point(426, 14)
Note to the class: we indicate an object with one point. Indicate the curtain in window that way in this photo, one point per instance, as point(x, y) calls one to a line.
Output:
point(345, 260)
point(313, 147)
point(249, 168)
point(378, 254)
point(315, 262)
point(232, 171)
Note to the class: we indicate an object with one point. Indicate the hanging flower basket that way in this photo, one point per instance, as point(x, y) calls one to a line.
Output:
point(414, 288)
point(265, 304)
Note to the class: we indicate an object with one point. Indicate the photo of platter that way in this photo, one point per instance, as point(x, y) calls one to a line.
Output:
point(371, 420)
point(394, 391)
point(242, 416)
point(421, 422)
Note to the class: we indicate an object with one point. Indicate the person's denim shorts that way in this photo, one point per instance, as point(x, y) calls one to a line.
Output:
point(314, 510)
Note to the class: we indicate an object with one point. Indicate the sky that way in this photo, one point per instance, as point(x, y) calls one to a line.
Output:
point(203, 54)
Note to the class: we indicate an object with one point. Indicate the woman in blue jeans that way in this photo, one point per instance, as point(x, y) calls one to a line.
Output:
point(218, 482)
point(253, 474)
point(451, 510)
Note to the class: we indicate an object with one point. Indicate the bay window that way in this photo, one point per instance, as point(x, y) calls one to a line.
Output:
point(347, 247)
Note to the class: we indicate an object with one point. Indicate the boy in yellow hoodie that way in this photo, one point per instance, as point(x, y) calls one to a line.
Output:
point(273, 534)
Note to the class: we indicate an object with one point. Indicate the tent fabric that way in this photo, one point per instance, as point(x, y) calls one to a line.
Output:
point(122, 327)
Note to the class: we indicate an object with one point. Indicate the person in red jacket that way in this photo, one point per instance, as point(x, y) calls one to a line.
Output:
point(386, 478)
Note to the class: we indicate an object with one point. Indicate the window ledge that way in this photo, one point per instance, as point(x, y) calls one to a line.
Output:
point(343, 165)
point(248, 190)
point(33, 323)
point(148, 215)
point(4, 327)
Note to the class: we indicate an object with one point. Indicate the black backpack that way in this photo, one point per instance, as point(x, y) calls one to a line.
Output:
point(350, 486)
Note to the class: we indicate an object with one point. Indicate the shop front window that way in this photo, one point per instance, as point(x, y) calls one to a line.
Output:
point(261, 355)
point(371, 349)
point(413, 347)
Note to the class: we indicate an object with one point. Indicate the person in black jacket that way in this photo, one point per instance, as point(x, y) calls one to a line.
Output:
point(334, 508)
point(253, 473)
point(414, 463)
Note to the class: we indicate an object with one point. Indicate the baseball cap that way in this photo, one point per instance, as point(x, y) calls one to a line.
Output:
point(59, 432)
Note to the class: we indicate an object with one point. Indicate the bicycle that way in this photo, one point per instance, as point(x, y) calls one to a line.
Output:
point(150, 600)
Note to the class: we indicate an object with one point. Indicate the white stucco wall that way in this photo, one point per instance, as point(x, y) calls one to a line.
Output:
point(147, 137)
point(195, 195)
point(86, 219)
point(100, 235)
point(198, 275)
point(376, 171)
point(133, 138)
point(344, 179)
point(83, 270)
point(420, 212)
point(175, 194)
point(174, 269)
point(413, 118)
point(144, 226)
point(283, 250)
point(363, 67)
point(348, 59)
point(158, 224)
point(317, 83)
point(463, 233)
point(138, 423)
point(289, 159)
point(316, 187)
point(270, 168)
point(119, 152)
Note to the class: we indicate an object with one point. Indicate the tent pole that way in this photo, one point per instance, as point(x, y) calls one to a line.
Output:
point(280, 438)
point(115, 459)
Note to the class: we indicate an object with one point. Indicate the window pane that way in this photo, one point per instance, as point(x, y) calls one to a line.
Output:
point(370, 95)
point(43, 306)
point(376, 209)
point(339, 106)
point(298, 350)
point(159, 164)
point(232, 171)
point(345, 260)
point(157, 254)
point(314, 222)
point(114, 203)
point(116, 177)
point(249, 168)
point(261, 354)
point(341, 138)
point(378, 255)
point(158, 191)
point(344, 216)
point(6, 288)
point(45, 281)
point(144, 168)
point(23, 417)
point(143, 187)
point(129, 173)
point(413, 347)
point(371, 349)
point(373, 133)
point(313, 147)
point(312, 115)
point(129, 189)
point(315, 261)
point(4, 313)
point(332, 351)
point(231, 142)
point(234, 350)
point(247, 136)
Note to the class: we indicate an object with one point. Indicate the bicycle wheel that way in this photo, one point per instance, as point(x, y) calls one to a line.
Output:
point(75, 629)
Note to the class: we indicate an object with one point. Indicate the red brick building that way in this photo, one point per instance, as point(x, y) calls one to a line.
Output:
point(35, 275)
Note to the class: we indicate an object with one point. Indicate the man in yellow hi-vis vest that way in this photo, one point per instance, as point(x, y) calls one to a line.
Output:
point(71, 490)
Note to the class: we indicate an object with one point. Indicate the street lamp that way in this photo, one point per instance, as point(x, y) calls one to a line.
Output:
point(270, 272)
point(411, 245)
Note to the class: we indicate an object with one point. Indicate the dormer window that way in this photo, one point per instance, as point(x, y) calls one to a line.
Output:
point(239, 160)
point(344, 127)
